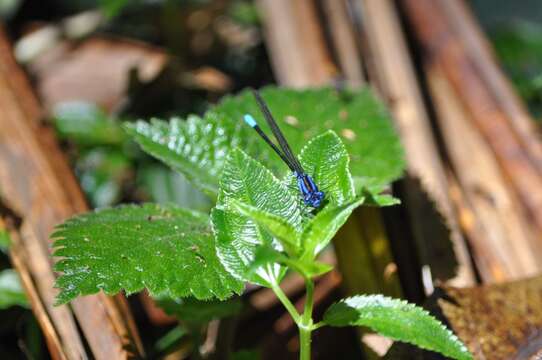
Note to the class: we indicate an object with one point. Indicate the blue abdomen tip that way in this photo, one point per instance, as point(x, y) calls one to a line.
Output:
point(249, 120)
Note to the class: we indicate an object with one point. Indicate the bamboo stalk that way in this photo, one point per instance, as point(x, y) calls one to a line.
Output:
point(477, 44)
point(395, 77)
point(508, 248)
point(344, 42)
point(36, 183)
point(296, 44)
point(17, 255)
point(445, 48)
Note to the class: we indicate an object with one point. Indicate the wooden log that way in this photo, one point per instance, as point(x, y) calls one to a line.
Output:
point(394, 75)
point(478, 45)
point(343, 41)
point(443, 46)
point(296, 43)
point(37, 184)
point(504, 243)
point(18, 255)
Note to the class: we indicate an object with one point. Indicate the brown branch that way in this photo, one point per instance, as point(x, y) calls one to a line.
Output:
point(296, 43)
point(477, 44)
point(395, 77)
point(344, 41)
point(504, 242)
point(36, 181)
point(440, 37)
point(17, 255)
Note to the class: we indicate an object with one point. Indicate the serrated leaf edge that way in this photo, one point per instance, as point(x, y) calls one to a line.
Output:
point(57, 246)
point(343, 147)
point(378, 297)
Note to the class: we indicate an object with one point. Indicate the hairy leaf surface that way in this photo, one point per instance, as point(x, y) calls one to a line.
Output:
point(193, 147)
point(397, 320)
point(198, 147)
point(238, 236)
point(319, 231)
point(166, 249)
point(308, 268)
point(280, 228)
point(325, 158)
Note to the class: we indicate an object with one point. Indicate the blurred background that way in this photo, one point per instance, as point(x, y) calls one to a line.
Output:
point(461, 79)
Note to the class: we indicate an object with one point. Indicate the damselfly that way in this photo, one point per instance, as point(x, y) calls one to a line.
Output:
point(311, 195)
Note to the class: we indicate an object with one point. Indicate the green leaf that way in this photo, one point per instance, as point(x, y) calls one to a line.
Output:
point(237, 236)
point(198, 147)
point(102, 173)
point(200, 312)
point(380, 200)
point(319, 231)
point(265, 255)
point(195, 148)
point(325, 158)
point(397, 320)
point(166, 186)
point(11, 291)
point(86, 124)
point(248, 181)
point(280, 228)
point(314, 268)
point(357, 116)
point(166, 249)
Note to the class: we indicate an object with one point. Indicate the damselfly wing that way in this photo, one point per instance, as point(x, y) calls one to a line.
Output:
point(312, 196)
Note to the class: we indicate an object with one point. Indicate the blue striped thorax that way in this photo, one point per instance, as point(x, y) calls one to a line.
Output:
point(311, 195)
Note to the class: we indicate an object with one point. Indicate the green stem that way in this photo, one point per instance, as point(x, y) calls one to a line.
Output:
point(287, 303)
point(309, 302)
point(318, 325)
point(304, 343)
point(306, 324)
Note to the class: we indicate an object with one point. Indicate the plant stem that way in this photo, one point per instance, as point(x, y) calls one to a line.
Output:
point(309, 302)
point(287, 303)
point(304, 343)
point(306, 324)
